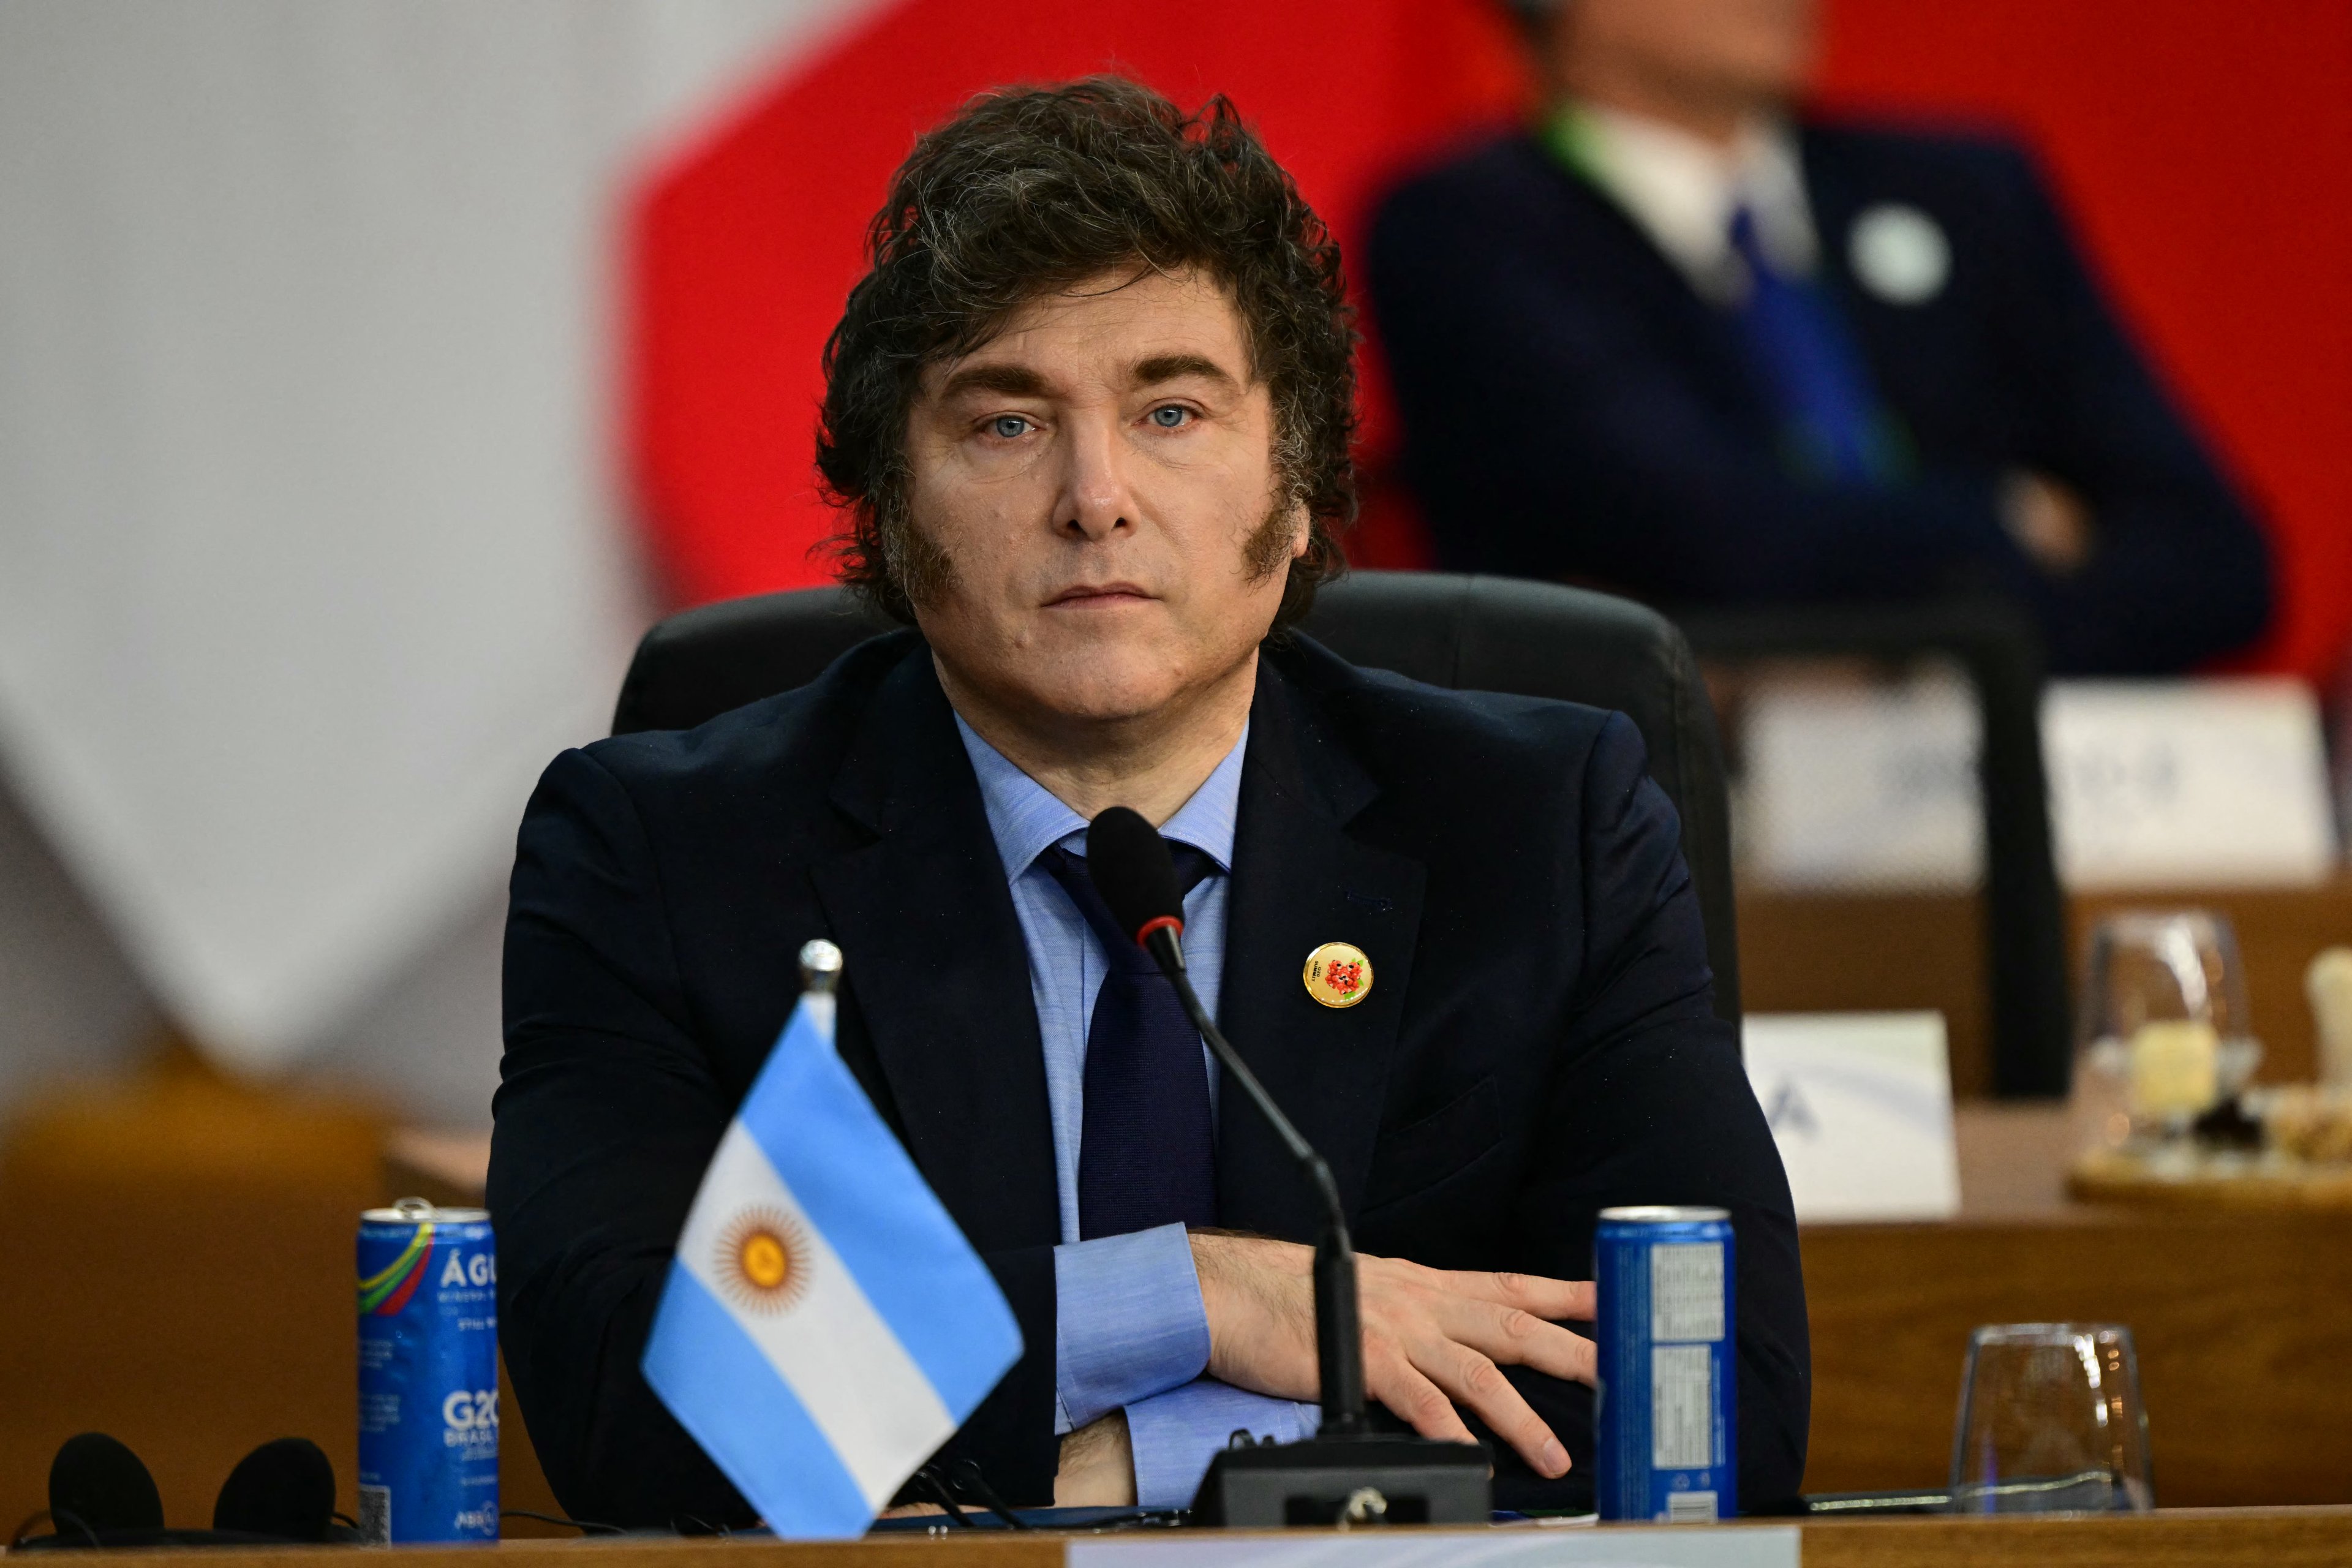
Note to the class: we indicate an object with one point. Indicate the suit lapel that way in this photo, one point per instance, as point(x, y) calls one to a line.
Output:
point(1299, 880)
point(935, 967)
point(1834, 205)
point(1665, 295)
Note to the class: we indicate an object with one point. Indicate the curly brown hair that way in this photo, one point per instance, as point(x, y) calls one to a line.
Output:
point(1032, 189)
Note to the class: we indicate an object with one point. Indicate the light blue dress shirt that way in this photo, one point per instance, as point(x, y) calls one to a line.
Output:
point(1131, 1331)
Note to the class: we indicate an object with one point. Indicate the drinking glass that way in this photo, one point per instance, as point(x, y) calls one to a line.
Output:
point(2165, 1035)
point(2051, 1422)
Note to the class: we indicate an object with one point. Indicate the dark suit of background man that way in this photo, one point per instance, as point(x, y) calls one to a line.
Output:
point(1092, 408)
point(1676, 341)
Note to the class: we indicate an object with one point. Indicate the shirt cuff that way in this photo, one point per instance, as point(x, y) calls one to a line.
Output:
point(1175, 1435)
point(1127, 1321)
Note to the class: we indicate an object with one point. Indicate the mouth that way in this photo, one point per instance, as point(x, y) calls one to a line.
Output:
point(1099, 596)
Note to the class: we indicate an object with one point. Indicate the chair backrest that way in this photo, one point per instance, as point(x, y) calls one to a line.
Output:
point(1482, 634)
point(2024, 910)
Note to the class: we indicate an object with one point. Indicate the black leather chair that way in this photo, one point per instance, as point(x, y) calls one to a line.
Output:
point(1486, 634)
point(2024, 912)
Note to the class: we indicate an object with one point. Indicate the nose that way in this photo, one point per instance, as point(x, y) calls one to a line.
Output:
point(1095, 500)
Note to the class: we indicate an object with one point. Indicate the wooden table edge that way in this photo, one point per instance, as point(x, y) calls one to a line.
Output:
point(2270, 1537)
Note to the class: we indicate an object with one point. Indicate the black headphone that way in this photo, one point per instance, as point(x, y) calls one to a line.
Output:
point(100, 1495)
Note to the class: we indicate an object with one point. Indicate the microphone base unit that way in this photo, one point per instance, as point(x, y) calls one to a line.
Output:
point(1375, 1478)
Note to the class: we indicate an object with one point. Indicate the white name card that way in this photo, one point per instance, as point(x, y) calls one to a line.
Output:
point(1523, 1546)
point(1860, 1106)
point(2188, 783)
point(1855, 785)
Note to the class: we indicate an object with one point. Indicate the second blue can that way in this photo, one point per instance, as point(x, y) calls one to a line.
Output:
point(428, 1291)
point(1665, 1413)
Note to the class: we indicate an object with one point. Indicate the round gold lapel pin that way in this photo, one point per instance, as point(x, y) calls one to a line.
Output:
point(1339, 975)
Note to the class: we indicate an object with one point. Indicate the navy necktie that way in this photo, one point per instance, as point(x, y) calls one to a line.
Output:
point(1800, 346)
point(1147, 1155)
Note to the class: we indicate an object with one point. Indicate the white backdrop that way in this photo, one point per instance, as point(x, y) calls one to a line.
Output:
point(311, 549)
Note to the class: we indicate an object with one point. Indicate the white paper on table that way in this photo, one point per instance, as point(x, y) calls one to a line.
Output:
point(1668, 1546)
point(1855, 785)
point(2188, 783)
point(1860, 1107)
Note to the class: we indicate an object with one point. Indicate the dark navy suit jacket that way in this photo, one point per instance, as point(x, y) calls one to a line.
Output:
point(1572, 407)
point(1538, 1040)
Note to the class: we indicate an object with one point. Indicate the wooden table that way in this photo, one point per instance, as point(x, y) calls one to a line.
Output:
point(2243, 1321)
point(1804, 952)
point(177, 1271)
point(2258, 1538)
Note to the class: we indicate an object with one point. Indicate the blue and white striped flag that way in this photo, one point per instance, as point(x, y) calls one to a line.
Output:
point(825, 1326)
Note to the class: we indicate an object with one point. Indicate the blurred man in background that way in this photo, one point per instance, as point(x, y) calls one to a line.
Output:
point(1681, 342)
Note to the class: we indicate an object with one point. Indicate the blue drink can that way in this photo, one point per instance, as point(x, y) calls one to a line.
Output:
point(1665, 1413)
point(428, 1374)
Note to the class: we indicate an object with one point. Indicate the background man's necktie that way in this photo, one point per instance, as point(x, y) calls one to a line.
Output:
point(1799, 345)
point(1146, 1155)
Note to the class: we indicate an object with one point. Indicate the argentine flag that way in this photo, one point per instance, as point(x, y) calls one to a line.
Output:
point(825, 1326)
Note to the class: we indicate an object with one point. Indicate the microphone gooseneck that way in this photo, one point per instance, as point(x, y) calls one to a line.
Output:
point(1132, 868)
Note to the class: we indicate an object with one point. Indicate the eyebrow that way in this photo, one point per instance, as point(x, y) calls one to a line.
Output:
point(1020, 381)
point(1174, 367)
point(1009, 380)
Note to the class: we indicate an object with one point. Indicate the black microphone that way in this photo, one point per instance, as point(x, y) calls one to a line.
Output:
point(1345, 1471)
point(285, 1489)
point(97, 1485)
point(1132, 868)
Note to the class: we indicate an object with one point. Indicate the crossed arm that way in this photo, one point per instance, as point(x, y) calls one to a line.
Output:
point(1434, 1340)
point(1647, 1102)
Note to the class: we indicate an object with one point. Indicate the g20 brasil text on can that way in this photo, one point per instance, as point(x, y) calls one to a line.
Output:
point(1666, 1415)
point(428, 1374)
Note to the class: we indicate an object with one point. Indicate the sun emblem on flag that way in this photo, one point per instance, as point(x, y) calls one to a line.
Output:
point(763, 1260)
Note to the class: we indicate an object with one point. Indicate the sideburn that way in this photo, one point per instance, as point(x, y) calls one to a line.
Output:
point(1267, 549)
point(918, 567)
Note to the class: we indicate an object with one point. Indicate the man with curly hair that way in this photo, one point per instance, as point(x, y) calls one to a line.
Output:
point(1089, 414)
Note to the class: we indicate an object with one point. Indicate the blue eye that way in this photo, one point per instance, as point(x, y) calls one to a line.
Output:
point(1169, 415)
point(1009, 426)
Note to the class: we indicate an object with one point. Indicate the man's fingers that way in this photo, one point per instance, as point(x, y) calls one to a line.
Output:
point(1413, 1399)
point(1572, 1298)
point(1575, 1299)
point(1516, 1337)
point(1479, 1384)
point(1439, 1338)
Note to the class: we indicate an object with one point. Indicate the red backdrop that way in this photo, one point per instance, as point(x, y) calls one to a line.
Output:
point(2203, 146)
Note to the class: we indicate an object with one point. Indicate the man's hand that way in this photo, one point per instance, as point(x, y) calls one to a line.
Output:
point(2049, 521)
point(1430, 1337)
point(1097, 1465)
